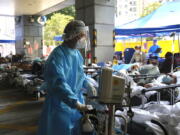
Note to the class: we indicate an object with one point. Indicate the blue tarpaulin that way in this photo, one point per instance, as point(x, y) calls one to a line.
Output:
point(7, 41)
point(58, 38)
point(122, 66)
point(164, 19)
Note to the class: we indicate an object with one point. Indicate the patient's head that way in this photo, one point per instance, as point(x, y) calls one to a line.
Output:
point(135, 67)
point(169, 79)
point(168, 55)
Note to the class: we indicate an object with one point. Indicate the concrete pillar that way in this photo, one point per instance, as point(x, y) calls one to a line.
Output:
point(99, 15)
point(28, 36)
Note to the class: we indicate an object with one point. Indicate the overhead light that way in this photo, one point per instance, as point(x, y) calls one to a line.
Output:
point(31, 19)
point(17, 19)
point(42, 20)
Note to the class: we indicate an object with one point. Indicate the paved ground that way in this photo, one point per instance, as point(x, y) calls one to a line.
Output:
point(19, 112)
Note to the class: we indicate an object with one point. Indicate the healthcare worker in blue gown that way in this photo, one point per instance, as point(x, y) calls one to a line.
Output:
point(65, 80)
point(153, 51)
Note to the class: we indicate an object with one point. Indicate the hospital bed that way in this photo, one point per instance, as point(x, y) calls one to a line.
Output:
point(145, 76)
point(170, 88)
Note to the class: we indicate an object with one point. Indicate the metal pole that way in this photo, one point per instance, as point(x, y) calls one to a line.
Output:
point(158, 97)
point(178, 42)
point(111, 119)
point(172, 65)
point(141, 40)
point(125, 123)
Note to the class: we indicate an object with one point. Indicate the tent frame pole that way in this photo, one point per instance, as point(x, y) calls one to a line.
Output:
point(172, 65)
point(178, 42)
point(141, 40)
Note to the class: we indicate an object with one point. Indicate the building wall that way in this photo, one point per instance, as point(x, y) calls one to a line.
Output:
point(129, 10)
point(7, 33)
point(99, 15)
point(28, 37)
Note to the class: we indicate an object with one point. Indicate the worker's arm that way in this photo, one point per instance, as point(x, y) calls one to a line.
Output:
point(55, 77)
point(150, 50)
point(86, 84)
point(132, 59)
point(91, 90)
point(144, 61)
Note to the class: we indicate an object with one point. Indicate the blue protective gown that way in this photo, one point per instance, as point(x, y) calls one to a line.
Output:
point(153, 49)
point(65, 78)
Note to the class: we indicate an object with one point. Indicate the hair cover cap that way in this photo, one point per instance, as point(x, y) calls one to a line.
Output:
point(73, 29)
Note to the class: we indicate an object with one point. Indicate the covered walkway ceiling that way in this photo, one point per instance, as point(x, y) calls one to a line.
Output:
point(32, 7)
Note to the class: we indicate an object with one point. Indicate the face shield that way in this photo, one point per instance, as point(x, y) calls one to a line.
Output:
point(83, 33)
point(84, 41)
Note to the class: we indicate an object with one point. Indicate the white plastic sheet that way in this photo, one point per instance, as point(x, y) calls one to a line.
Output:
point(154, 128)
point(168, 115)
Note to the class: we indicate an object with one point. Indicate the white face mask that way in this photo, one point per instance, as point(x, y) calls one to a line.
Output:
point(82, 43)
point(167, 80)
point(138, 51)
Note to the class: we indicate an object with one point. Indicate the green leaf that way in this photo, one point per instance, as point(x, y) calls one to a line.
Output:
point(150, 8)
point(55, 26)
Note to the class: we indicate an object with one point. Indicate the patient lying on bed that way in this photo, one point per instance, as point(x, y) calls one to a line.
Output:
point(162, 80)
